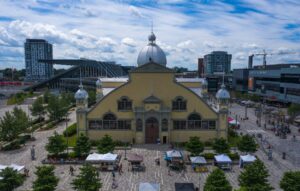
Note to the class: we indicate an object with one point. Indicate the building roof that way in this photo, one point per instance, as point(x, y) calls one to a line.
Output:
point(114, 79)
point(222, 93)
point(190, 80)
point(150, 67)
point(152, 52)
point(81, 93)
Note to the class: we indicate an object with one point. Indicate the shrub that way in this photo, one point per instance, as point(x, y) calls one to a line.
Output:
point(208, 156)
point(71, 130)
point(12, 146)
point(94, 143)
point(234, 156)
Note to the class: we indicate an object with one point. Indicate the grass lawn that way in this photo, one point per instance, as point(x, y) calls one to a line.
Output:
point(71, 140)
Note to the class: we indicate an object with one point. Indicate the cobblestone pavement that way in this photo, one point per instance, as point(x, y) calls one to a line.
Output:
point(129, 181)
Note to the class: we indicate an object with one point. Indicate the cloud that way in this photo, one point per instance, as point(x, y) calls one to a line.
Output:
point(129, 42)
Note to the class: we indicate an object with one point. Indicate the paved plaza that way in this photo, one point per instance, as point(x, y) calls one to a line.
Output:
point(129, 181)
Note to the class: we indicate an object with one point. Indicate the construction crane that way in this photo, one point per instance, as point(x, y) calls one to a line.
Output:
point(264, 54)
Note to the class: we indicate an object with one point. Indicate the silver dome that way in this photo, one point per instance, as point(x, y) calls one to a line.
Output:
point(81, 93)
point(152, 52)
point(223, 93)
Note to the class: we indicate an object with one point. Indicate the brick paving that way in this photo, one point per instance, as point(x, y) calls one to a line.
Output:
point(129, 181)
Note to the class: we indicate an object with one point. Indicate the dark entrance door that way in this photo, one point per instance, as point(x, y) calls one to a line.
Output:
point(152, 130)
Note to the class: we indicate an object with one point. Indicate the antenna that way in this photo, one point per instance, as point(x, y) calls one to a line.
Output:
point(151, 25)
point(80, 86)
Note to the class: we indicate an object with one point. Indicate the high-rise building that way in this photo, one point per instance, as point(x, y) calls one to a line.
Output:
point(35, 50)
point(200, 68)
point(217, 62)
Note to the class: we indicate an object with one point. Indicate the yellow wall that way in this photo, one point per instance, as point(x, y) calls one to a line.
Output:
point(112, 84)
point(191, 84)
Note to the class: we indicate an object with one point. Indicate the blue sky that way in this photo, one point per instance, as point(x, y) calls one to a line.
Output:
point(117, 30)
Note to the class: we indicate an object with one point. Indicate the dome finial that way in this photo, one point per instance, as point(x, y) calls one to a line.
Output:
point(152, 36)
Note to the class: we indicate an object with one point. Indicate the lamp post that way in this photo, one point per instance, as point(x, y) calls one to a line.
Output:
point(125, 157)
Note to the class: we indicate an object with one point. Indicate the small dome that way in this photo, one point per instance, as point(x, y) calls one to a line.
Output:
point(223, 93)
point(81, 93)
point(98, 82)
point(152, 52)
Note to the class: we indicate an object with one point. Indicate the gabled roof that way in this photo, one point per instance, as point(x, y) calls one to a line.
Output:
point(152, 99)
point(152, 67)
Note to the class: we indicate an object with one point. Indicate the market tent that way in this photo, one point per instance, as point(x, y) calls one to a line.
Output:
point(246, 159)
point(198, 160)
point(94, 157)
point(146, 186)
point(184, 186)
point(222, 158)
point(135, 158)
point(108, 157)
point(16, 167)
point(234, 122)
point(173, 154)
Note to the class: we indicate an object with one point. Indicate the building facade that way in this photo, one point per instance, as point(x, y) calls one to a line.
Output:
point(152, 105)
point(35, 50)
point(217, 62)
point(276, 84)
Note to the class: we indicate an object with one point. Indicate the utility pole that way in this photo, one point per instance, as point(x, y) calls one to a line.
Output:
point(246, 111)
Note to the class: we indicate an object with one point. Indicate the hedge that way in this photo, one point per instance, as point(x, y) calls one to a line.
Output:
point(71, 130)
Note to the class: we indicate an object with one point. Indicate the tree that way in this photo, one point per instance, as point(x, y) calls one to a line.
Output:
point(11, 179)
point(12, 124)
point(255, 177)
point(46, 179)
point(106, 144)
point(290, 181)
point(83, 146)
point(194, 146)
point(57, 107)
point(38, 108)
point(217, 181)
point(46, 96)
point(87, 180)
point(221, 146)
point(294, 109)
point(92, 97)
point(247, 144)
point(56, 144)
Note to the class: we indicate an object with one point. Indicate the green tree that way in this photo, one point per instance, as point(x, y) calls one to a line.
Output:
point(247, 144)
point(290, 181)
point(92, 97)
point(38, 109)
point(46, 96)
point(294, 109)
point(194, 146)
point(106, 144)
point(88, 179)
point(221, 146)
point(57, 107)
point(255, 177)
point(46, 179)
point(83, 146)
point(12, 124)
point(56, 144)
point(11, 179)
point(217, 181)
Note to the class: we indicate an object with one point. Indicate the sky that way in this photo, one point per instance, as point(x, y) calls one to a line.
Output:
point(116, 30)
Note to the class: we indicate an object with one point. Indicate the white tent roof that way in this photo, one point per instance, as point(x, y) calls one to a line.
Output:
point(146, 186)
point(198, 160)
point(247, 158)
point(234, 122)
point(173, 153)
point(109, 157)
point(222, 158)
point(93, 157)
point(13, 166)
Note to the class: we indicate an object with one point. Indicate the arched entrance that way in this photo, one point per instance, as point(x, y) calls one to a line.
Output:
point(151, 130)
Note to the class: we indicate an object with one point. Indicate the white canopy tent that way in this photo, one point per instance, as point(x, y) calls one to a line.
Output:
point(246, 159)
point(234, 122)
point(108, 157)
point(174, 154)
point(13, 166)
point(223, 161)
point(94, 157)
point(147, 186)
point(198, 160)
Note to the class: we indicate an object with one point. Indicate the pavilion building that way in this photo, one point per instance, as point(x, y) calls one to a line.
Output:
point(153, 105)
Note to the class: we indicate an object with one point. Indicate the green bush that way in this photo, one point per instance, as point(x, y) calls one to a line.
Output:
point(12, 146)
point(208, 156)
point(234, 156)
point(71, 130)
point(72, 155)
point(23, 138)
point(94, 143)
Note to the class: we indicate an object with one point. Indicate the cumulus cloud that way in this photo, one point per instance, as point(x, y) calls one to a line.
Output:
point(129, 42)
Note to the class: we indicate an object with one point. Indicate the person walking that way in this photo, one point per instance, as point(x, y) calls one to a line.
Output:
point(32, 152)
point(71, 170)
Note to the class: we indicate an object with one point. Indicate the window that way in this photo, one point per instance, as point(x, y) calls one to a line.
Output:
point(164, 125)
point(212, 124)
point(139, 125)
point(179, 104)
point(194, 121)
point(124, 104)
point(179, 124)
point(124, 124)
point(109, 121)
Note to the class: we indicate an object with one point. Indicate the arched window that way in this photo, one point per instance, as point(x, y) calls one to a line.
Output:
point(109, 121)
point(194, 121)
point(164, 125)
point(139, 125)
point(124, 104)
point(179, 104)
